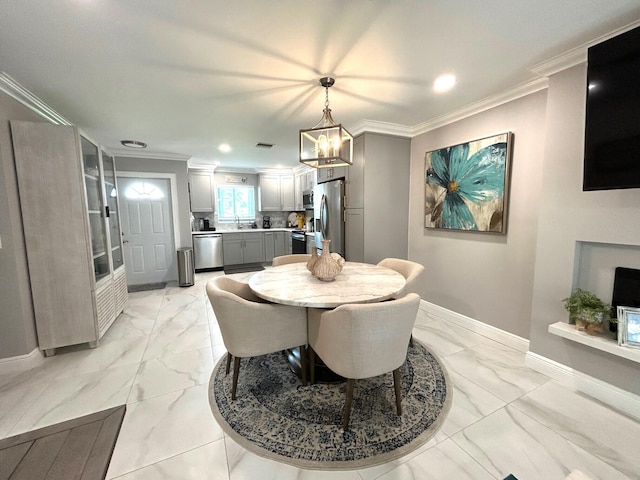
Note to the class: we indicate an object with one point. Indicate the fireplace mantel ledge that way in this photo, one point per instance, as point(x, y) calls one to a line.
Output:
point(599, 342)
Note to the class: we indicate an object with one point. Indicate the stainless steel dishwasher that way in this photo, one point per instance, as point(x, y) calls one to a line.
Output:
point(207, 251)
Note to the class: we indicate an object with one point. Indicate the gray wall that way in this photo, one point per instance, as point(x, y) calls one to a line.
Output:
point(581, 236)
point(17, 324)
point(179, 168)
point(485, 276)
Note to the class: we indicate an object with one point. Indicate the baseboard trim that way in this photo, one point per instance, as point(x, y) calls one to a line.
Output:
point(20, 363)
point(615, 397)
point(500, 336)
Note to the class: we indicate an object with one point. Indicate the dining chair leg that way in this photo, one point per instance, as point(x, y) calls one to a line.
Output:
point(229, 357)
point(347, 404)
point(312, 366)
point(397, 384)
point(236, 371)
point(303, 364)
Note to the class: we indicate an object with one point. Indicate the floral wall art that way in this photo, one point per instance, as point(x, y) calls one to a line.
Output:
point(466, 185)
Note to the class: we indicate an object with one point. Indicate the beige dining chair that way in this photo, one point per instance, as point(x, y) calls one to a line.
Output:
point(409, 270)
point(251, 327)
point(358, 341)
point(287, 259)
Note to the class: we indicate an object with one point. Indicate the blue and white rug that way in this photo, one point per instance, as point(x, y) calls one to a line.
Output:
point(276, 417)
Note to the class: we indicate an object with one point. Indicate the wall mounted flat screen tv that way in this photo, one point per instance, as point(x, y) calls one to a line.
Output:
point(612, 133)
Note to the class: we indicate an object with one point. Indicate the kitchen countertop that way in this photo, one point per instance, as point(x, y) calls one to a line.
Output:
point(275, 229)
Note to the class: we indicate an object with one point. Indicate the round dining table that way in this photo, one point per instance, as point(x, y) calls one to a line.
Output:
point(293, 284)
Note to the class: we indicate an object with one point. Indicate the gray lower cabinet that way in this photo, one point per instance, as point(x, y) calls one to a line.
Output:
point(275, 245)
point(246, 247)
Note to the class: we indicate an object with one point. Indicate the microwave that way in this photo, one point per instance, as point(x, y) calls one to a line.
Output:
point(307, 199)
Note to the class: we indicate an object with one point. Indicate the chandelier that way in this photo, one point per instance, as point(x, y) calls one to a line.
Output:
point(327, 144)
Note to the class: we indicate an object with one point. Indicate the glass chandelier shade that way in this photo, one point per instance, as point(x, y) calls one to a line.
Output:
point(327, 144)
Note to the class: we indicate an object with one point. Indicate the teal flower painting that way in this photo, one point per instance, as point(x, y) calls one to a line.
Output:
point(465, 185)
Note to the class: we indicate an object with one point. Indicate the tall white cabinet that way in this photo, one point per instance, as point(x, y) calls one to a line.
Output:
point(70, 217)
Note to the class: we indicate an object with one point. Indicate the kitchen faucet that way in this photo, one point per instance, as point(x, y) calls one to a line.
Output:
point(237, 222)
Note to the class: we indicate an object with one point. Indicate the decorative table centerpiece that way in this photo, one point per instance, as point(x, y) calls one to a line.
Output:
point(587, 311)
point(326, 266)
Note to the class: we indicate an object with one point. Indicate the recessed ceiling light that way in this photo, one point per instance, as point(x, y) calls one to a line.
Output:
point(224, 147)
point(133, 144)
point(444, 83)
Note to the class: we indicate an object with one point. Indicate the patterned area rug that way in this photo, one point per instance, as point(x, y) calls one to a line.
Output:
point(276, 417)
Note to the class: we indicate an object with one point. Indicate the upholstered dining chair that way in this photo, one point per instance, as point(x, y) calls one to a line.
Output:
point(287, 259)
point(358, 341)
point(251, 327)
point(409, 270)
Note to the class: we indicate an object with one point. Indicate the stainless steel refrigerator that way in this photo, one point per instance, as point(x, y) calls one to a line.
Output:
point(328, 211)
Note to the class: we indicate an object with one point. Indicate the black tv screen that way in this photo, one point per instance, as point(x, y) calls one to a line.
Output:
point(612, 134)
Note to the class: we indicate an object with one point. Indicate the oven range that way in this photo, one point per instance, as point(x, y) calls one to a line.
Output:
point(298, 242)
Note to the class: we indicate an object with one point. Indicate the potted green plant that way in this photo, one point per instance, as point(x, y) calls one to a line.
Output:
point(587, 311)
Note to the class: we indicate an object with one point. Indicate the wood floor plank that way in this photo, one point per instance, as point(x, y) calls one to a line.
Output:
point(73, 456)
point(11, 457)
point(40, 457)
point(80, 448)
point(98, 461)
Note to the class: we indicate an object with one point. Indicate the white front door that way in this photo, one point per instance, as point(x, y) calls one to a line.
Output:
point(147, 230)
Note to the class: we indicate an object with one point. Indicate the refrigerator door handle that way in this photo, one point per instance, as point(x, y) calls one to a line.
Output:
point(323, 216)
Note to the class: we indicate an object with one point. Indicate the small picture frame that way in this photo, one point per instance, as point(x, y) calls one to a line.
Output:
point(629, 326)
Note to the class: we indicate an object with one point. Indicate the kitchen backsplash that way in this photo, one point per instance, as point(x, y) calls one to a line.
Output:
point(278, 220)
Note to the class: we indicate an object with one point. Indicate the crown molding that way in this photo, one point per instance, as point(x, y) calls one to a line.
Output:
point(480, 106)
point(152, 155)
point(576, 55)
point(16, 91)
point(374, 126)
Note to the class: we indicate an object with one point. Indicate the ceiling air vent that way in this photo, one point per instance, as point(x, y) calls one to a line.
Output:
point(264, 145)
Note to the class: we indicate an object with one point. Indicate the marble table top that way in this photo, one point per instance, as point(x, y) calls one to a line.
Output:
point(294, 285)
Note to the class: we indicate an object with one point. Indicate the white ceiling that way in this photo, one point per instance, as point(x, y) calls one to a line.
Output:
point(185, 76)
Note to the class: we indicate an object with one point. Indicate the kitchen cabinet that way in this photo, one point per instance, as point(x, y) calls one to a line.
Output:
point(276, 193)
point(377, 198)
point(245, 247)
point(201, 191)
point(328, 174)
point(304, 181)
point(288, 243)
point(274, 245)
point(72, 234)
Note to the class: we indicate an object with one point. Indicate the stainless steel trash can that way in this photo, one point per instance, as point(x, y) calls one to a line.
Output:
point(186, 267)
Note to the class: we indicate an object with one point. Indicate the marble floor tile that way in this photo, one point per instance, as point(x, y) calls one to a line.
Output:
point(172, 341)
point(508, 441)
point(208, 462)
point(45, 372)
point(15, 402)
point(600, 430)
point(181, 319)
point(128, 325)
point(498, 369)
point(445, 461)
point(247, 465)
point(373, 473)
point(111, 353)
point(76, 396)
point(172, 373)
point(445, 338)
point(470, 404)
point(162, 427)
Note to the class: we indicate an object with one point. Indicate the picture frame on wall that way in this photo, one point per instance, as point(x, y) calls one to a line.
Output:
point(629, 326)
point(466, 185)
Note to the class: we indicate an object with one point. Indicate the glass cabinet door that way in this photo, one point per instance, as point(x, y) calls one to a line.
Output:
point(95, 206)
point(113, 219)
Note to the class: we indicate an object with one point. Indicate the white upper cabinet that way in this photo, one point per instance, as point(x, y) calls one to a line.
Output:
point(201, 191)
